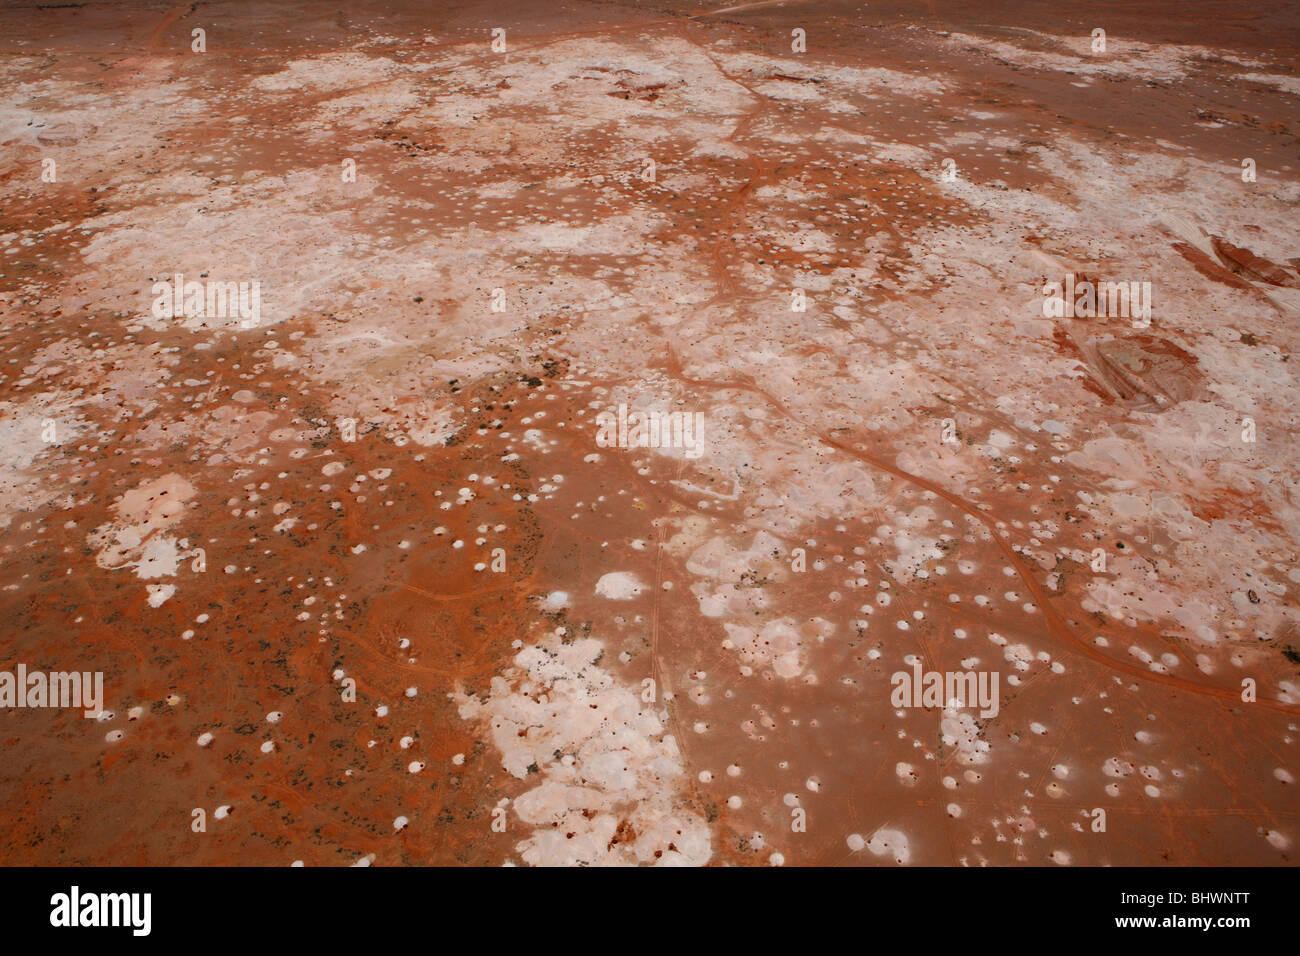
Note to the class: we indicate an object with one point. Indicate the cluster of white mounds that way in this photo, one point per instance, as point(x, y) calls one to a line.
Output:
point(890, 844)
point(609, 778)
point(780, 644)
point(135, 539)
point(732, 576)
point(730, 586)
point(960, 732)
point(619, 586)
point(1213, 578)
point(915, 550)
point(327, 73)
point(21, 442)
point(266, 231)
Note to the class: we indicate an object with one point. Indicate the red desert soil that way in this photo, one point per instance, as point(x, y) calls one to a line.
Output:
point(365, 578)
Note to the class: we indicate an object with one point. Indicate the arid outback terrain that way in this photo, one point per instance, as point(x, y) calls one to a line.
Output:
point(380, 567)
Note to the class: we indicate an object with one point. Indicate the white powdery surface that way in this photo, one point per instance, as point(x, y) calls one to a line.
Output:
point(1287, 84)
point(892, 843)
point(729, 587)
point(134, 539)
point(962, 733)
point(619, 586)
point(21, 427)
point(610, 778)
